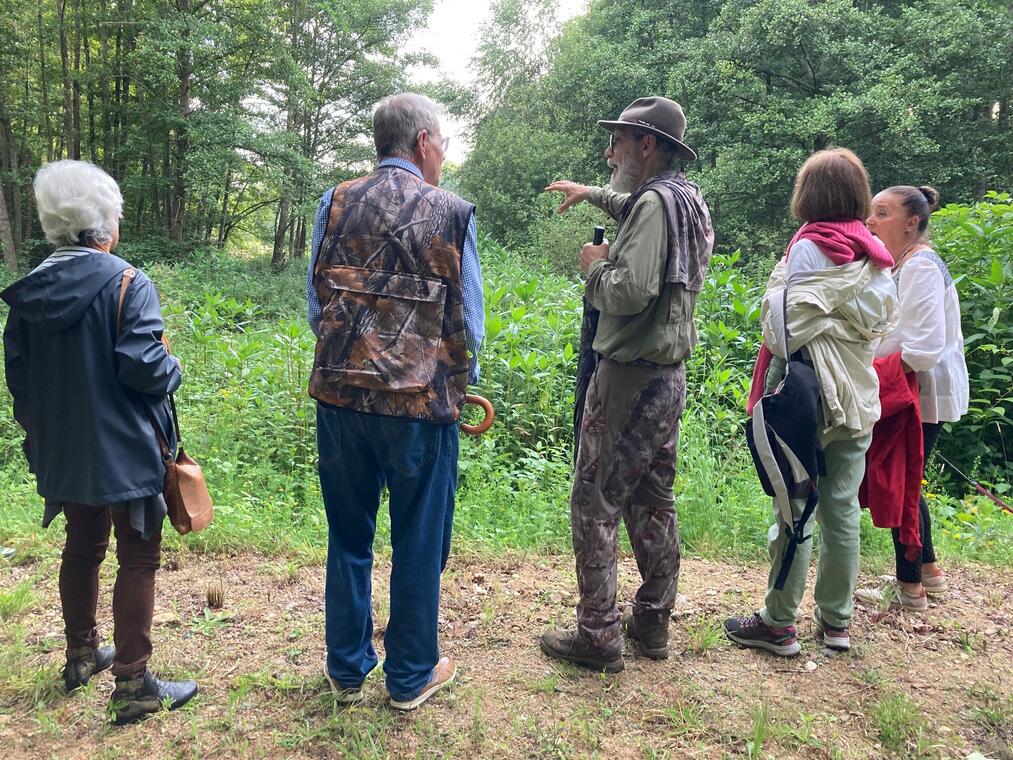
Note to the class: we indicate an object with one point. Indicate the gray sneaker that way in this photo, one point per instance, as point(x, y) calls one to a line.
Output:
point(892, 596)
point(935, 585)
point(343, 695)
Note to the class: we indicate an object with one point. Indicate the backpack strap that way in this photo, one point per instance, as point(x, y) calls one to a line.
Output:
point(796, 536)
point(784, 321)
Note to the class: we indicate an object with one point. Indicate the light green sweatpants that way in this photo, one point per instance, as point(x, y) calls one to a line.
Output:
point(838, 515)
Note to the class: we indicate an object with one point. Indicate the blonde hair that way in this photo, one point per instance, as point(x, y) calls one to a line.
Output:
point(831, 186)
point(78, 203)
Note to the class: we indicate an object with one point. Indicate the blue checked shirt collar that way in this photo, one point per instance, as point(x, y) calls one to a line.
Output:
point(402, 163)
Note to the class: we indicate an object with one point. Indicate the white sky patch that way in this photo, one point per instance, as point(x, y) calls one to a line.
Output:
point(453, 37)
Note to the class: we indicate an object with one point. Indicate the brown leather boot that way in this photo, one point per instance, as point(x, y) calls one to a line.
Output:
point(650, 630)
point(571, 647)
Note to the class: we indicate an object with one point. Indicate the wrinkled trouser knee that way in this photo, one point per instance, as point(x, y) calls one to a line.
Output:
point(838, 516)
point(625, 469)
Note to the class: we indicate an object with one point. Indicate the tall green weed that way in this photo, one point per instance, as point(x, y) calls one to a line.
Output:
point(241, 333)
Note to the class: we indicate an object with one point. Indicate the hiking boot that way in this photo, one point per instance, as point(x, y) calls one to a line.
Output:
point(135, 698)
point(892, 596)
point(345, 695)
point(650, 630)
point(753, 632)
point(570, 646)
point(84, 662)
point(443, 674)
point(935, 585)
point(833, 638)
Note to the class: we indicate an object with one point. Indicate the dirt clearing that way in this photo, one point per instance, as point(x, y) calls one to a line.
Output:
point(932, 685)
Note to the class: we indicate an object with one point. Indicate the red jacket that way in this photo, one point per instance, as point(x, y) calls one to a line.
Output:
point(893, 463)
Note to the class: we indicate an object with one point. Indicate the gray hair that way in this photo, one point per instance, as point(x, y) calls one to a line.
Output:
point(397, 121)
point(78, 203)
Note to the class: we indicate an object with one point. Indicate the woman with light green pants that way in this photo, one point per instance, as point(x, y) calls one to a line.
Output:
point(834, 288)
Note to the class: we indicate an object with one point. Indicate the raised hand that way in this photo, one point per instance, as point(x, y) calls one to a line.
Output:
point(573, 193)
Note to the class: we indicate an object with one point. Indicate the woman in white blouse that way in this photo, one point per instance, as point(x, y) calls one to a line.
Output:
point(931, 344)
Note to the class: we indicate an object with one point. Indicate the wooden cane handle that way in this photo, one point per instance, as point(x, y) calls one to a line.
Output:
point(490, 415)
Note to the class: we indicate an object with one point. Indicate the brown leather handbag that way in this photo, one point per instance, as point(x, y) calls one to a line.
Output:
point(185, 492)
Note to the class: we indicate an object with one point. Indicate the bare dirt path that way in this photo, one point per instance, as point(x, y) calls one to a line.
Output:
point(933, 685)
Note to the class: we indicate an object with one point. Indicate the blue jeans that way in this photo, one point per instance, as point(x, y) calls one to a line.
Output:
point(417, 461)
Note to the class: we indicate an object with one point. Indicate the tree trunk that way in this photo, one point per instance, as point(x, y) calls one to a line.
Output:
point(77, 79)
point(167, 182)
point(280, 233)
point(185, 60)
point(44, 83)
point(69, 127)
point(6, 238)
point(10, 156)
point(223, 222)
point(104, 56)
point(139, 209)
point(92, 142)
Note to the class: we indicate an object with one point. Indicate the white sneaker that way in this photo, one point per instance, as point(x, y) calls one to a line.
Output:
point(443, 674)
point(349, 696)
point(892, 596)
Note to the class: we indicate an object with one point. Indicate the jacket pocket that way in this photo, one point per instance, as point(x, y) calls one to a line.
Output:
point(381, 330)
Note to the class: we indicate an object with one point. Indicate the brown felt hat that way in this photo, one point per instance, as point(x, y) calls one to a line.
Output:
point(659, 116)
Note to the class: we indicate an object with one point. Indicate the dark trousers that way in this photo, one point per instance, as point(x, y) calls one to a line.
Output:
point(911, 571)
point(417, 461)
point(625, 470)
point(133, 593)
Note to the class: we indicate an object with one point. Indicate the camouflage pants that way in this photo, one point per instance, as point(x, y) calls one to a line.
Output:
point(626, 468)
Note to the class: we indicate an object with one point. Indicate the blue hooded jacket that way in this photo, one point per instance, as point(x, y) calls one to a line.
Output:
point(82, 389)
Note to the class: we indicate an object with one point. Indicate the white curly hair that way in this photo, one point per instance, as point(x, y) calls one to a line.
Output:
point(78, 203)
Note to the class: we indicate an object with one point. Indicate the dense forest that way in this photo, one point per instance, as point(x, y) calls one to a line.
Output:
point(920, 90)
point(218, 116)
point(214, 115)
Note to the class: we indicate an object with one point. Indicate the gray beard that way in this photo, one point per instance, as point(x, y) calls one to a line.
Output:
point(627, 178)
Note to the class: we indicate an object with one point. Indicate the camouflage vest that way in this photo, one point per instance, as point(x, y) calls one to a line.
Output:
point(388, 277)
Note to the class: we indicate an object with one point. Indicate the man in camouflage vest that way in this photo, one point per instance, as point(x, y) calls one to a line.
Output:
point(645, 287)
point(395, 299)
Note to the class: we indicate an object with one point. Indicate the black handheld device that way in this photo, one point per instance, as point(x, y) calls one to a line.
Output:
point(599, 235)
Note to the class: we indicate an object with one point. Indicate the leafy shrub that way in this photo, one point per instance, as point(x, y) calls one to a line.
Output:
point(721, 367)
point(976, 242)
point(556, 239)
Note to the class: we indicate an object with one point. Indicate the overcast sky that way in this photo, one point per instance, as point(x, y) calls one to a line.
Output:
point(452, 36)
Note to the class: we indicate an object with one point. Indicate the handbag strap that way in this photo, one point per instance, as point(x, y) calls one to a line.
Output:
point(163, 445)
point(128, 277)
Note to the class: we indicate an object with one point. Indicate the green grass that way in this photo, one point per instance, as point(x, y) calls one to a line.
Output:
point(240, 331)
point(900, 725)
point(16, 600)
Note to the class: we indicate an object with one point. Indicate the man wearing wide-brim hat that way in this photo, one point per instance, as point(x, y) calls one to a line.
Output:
point(645, 286)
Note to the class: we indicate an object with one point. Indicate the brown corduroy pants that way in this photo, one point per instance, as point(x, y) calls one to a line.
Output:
point(133, 593)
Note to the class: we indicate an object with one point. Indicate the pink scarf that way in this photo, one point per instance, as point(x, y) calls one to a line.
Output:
point(842, 243)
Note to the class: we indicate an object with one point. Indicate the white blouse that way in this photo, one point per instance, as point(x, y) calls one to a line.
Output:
point(929, 337)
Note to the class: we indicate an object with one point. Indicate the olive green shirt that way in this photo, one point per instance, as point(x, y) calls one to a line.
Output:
point(642, 317)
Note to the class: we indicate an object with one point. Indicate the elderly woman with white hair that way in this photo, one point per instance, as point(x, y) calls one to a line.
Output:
point(89, 382)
